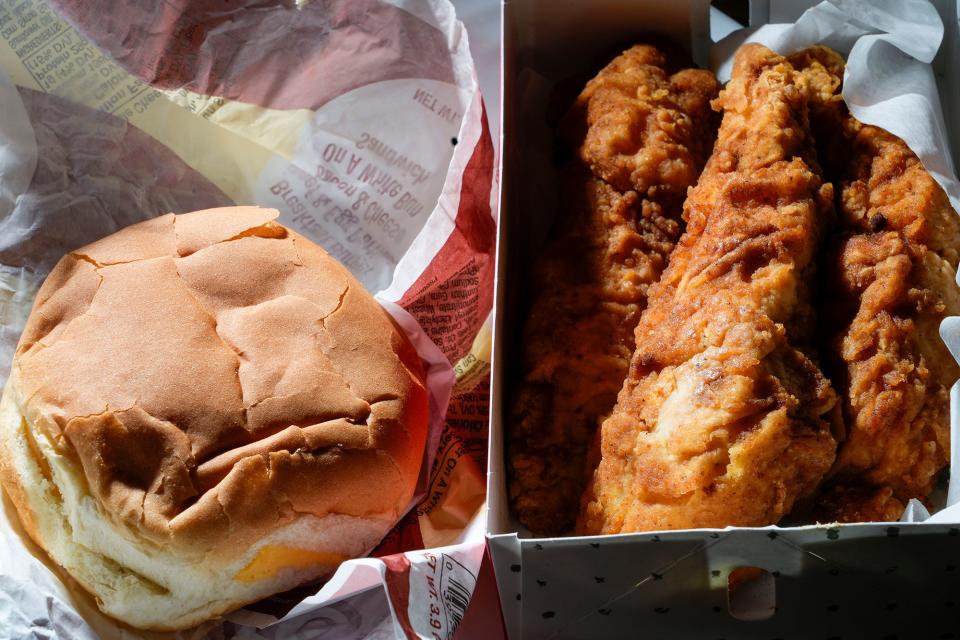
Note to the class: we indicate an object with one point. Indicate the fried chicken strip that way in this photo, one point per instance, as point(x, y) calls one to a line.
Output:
point(722, 419)
point(642, 136)
point(891, 276)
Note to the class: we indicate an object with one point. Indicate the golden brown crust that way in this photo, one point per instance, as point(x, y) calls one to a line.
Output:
point(218, 376)
point(642, 136)
point(896, 371)
point(858, 503)
point(722, 419)
point(11, 484)
point(646, 130)
point(891, 274)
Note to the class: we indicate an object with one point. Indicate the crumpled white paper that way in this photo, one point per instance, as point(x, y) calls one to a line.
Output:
point(889, 83)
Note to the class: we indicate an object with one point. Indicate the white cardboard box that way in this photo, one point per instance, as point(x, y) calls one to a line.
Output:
point(850, 581)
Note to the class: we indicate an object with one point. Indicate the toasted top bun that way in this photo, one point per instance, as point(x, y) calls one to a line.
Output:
point(206, 409)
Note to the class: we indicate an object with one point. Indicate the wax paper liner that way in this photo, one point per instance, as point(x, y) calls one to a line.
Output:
point(361, 122)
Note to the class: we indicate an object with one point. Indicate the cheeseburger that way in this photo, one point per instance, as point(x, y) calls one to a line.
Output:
point(206, 409)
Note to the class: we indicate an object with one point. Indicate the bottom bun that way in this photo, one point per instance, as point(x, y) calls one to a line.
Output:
point(145, 584)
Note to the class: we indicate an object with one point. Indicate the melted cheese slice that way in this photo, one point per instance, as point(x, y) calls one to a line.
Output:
point(273, 558)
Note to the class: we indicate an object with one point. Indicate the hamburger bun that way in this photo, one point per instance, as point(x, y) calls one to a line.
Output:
point(204, 410)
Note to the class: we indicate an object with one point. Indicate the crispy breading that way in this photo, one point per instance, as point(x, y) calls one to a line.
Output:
point(722, 420)
point(647, 131)
point(642, 137)
point(891, 280)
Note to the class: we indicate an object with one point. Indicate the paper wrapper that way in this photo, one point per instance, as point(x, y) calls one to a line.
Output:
point(361, 122)
point(889, 82)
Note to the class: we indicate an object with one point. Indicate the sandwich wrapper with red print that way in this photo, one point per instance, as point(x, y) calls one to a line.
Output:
point(362, 123)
